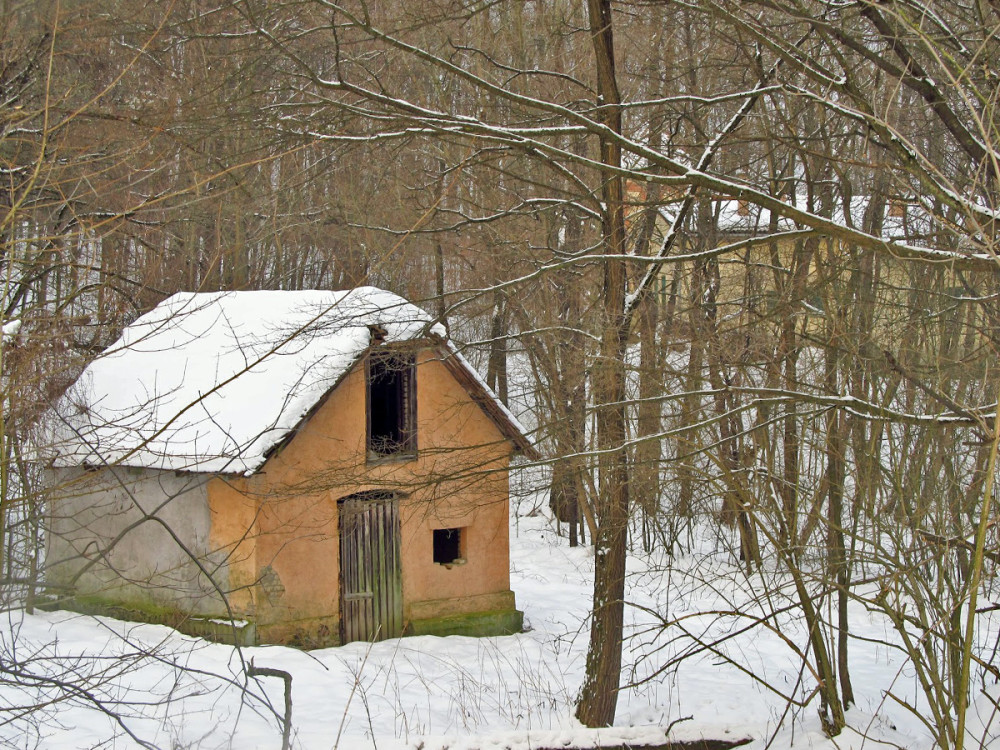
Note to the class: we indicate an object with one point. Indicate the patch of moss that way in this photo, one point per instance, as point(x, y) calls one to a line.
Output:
point(475, 624)
point(217, 629)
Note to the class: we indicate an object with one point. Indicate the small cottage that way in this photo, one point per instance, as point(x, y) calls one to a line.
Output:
point(305, 467)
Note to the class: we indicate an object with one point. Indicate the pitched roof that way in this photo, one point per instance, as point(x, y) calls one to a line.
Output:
point(212, 382)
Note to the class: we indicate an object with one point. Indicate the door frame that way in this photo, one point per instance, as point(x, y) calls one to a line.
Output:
point(371, 582)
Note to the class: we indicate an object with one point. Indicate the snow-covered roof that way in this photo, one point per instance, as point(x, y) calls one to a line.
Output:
point(900, 222)
point(213, 382)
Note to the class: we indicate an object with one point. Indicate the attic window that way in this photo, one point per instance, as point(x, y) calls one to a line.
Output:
point(392, 406)
point(448, 546)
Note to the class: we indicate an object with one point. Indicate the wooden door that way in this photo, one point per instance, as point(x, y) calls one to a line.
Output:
point(371, 590)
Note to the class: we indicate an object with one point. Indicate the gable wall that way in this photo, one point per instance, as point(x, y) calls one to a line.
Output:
point(292, 552)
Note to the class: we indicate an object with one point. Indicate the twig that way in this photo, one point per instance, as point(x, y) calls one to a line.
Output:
point(255, 671)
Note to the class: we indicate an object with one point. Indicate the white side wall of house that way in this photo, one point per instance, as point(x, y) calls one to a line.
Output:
point(134, 537)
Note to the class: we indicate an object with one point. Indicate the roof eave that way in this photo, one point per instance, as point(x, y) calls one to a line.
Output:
point(486, 399)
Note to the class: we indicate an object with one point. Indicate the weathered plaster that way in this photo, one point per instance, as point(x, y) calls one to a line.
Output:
point(135, 536)
point(270, 541)
point(459, 479)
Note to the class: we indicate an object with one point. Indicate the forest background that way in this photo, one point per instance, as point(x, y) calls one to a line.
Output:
point(749, 251)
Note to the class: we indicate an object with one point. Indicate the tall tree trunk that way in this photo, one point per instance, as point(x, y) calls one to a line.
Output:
point(646, 469)
point(691, 405)
point(599, 694)
point(646, 484)
point(568, 494)
point(439, 300)
point(836, 459)
point(736, 499)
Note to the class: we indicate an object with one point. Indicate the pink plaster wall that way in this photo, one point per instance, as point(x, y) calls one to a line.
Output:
point(282, 523)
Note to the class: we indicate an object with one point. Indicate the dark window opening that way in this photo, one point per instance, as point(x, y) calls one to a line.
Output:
point(447, 546)
point(391, 405)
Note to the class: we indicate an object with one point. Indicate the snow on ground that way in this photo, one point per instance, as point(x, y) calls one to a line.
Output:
point(456, 693)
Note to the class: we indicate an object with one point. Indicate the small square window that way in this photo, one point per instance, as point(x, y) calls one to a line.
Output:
point(448, 546)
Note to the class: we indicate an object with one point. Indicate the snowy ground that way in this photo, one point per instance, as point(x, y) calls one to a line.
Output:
point(455, 693)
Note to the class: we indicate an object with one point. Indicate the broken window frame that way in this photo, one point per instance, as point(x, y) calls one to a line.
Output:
point(400, 442)
point(453, 538)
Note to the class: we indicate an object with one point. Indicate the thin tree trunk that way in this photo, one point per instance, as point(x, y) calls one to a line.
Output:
point(646, 473)
point(439, 300)
point(599, 694)
point(835, 466)
point(647, 452)
point(736, 497)
point(496, 370)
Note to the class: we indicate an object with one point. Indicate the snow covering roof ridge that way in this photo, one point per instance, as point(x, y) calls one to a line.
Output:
point(210, 382)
